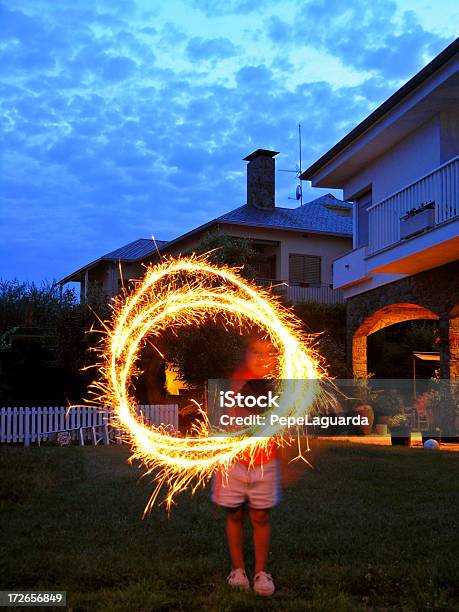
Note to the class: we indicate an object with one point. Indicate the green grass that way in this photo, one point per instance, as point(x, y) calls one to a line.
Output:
point(370, 528)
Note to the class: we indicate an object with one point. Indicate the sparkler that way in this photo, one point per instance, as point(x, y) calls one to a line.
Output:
point(180, 292)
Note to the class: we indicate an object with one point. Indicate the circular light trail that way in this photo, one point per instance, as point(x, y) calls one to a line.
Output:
point(187, 291)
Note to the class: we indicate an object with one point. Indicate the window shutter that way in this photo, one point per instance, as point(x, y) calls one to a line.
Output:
point(305, 269)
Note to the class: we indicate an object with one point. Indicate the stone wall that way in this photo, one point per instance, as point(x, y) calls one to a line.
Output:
point(432, 294)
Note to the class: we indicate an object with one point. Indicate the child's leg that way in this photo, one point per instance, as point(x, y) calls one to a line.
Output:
point(234, 534)
point(261, 537)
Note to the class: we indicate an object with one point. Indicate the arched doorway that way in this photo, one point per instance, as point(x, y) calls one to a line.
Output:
point(388, 315)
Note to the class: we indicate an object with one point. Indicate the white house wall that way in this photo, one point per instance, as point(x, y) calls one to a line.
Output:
point(411, 158)
point(328, 247)
point(436, 94)
point(449, 135)
point(107, 275)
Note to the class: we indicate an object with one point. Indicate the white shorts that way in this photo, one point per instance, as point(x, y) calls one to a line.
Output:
point(258, 485)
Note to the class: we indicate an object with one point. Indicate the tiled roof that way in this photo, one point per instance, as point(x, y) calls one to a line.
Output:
point(322, 215)
point(315, 216)
point(135, 250)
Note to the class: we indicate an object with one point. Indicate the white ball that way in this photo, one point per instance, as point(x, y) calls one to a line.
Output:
point(431, 444)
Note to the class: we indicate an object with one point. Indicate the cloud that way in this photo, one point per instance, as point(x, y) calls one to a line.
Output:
point(254, 76)
point(15, 25)
point(120, 124)
point(118, 68)
point(230, 7)
point(280, 31)
point(200, 49)
point(369, 35)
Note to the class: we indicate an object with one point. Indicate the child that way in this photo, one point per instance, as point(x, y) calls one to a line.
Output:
point(253, 481)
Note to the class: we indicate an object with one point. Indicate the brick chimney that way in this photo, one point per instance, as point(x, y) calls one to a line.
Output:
point(261, 182)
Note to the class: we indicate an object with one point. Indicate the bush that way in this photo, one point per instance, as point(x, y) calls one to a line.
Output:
point(328, 321)
point(44, 343)
point(207, 351)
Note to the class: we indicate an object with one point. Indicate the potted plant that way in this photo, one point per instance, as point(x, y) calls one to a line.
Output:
point(389, 404)
point(364, 402)
point(442, 409)
point(439, 406)
point(451, 414)
point(417, 220)
point(400, 431)
point(428, 406)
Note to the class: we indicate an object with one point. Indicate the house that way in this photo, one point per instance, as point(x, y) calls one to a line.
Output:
point(400, 168)
point(296, 246)
point(102, 277)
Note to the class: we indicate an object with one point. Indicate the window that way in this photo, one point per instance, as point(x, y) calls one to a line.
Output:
point(305, 269)
point(362, 203)
point(265, 267)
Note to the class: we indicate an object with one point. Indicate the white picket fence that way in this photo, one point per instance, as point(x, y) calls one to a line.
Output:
point(23, 425)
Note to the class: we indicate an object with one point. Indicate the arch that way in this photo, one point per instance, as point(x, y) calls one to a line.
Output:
point(385, 316)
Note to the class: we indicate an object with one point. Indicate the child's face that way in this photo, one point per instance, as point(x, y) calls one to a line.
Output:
point(260, 358)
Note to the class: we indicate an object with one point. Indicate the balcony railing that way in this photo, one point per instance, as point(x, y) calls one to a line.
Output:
point(440, 187)
point(323, 294)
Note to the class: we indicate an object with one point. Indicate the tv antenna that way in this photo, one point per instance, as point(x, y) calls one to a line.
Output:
point(298, 172)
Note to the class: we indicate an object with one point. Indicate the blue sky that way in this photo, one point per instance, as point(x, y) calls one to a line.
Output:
point(126, 119)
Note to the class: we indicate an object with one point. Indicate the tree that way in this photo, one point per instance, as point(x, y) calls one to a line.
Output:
point(44, 343)
point(232, 251)
point(212, 349)
point(328, 322)
point(204, 352)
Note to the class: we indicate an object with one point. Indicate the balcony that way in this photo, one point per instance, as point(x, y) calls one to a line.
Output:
point(416, 228)
point(401, 243)
point(323, 294)
point(350, 268)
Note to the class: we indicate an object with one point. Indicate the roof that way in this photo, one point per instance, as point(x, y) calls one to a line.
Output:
point(440, 60)
point(131, 252)
point(135, 250)
point(318, 216)
point(321, 216)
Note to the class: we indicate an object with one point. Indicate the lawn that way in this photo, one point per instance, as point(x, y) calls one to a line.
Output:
point(369, 528)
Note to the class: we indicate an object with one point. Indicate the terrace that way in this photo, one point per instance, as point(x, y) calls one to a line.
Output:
point(414, 229)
